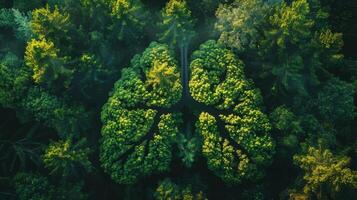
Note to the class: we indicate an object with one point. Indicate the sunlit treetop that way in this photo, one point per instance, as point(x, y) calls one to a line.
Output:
point(139, 83)
point(177, 23)
point(44, 60)
point(323, 169)
point(66, 158)
point(50, 23)
point(130, 17)
point(239, 23)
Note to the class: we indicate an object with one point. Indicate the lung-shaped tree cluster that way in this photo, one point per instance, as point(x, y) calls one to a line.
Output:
point(143, 116)
point(137, 134)
point(234, 129)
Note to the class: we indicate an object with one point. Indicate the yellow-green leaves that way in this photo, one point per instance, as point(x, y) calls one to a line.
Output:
point(50, 24)
point(64, 157)
point(293, 21)
point(162, 78)
point(161, 75)
point(138, 141)
point(177, 23)
point(236, 145)
point(323, 170)
point(168, 190)
point(239, 23)
point(42, 57)
point(129, 18)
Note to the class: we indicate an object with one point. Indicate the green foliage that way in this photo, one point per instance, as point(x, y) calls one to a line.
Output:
point(18, 21)
point(65, 158)
point(50, 24)
point(37, 187)
point(218, 79)
point(42, 57)
point(240, 23)
point(54, 112)
point(60, 58)
point(177, 23)
point(19, 149)
point(285, 121)
point(162, 79)
point(287, 126)
point(188, 149)
point(335, 101)
point(167, 190)
point(324, 171)
point(129, 18)
point(22, 24)
point(130, 147)
point(24, 5)
point(6, 16)
point(14, 80)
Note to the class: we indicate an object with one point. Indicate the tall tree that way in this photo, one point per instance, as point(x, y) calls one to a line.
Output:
point(178, 29)
point(325, 173)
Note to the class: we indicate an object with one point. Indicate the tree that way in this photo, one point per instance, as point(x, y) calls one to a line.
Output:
point(14, 82)
point(178, 30)
point(37, 187)
point(288, 130)
point(67, 120)
point(169, 190)
point(67, 159)
point(42, 57)
point(51, 24)
point(129, 17)
point(177, 23)
point(240, 23)
point(288, 47)
point(324, 172)
point(335, 101)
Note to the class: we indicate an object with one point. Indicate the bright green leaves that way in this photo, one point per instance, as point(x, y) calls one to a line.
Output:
point(42, 57)
point(208, 67)
point(139, 131)
point(221, 156)
point(243, 146)
point(293, 22)
point(49, 24)
point(65, 158)
point(138, 142)
point(325, 172)
point(331, 44)
point(162, 78)
point(132, 150)
point(177, 23)
point(51, 30)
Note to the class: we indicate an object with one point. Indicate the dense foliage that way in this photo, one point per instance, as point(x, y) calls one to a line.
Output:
point(178, 99)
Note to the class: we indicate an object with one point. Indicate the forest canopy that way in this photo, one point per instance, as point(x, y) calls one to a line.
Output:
point(178, 99)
